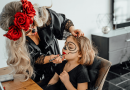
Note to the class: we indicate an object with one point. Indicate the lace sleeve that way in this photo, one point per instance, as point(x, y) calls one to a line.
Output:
point(66, 32)
point(40, 60)
point(68, 25)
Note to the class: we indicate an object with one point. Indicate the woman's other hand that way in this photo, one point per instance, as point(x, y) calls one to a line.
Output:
point(58, 59)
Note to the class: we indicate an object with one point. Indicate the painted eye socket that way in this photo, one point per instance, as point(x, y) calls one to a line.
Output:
point(70, 48)
point(28, 31)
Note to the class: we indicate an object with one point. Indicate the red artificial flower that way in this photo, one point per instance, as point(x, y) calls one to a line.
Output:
point(14, 33)
point(22, 21)
point(28, 8)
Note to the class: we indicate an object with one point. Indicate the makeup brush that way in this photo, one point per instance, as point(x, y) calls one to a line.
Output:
point(56, 57)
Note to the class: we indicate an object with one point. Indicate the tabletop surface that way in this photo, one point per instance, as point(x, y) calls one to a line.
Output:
point(16, 84)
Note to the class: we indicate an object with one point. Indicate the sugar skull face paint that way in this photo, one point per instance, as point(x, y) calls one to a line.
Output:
point(70, 46)
point(70, 49)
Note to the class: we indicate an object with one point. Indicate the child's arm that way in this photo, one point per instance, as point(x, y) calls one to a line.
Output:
point(64, 77)
point(82, 86)
point(69, 86)
point(54, 79)
point(82, 80)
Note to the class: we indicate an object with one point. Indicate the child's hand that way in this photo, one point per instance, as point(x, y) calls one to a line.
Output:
point(64, 77)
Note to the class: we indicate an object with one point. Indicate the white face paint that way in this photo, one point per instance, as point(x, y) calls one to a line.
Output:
point(29, 32)
point(70, 49)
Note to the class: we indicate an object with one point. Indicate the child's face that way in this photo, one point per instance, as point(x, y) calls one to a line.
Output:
point(70, 49)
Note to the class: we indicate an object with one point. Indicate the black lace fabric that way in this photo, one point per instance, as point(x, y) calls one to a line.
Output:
point(40, 60)
point(68, 25)
point(66, 32)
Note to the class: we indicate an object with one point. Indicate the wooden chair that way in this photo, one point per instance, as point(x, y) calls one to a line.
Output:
point(98, 72)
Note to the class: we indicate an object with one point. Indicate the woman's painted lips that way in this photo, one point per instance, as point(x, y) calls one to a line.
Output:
point(64, 53)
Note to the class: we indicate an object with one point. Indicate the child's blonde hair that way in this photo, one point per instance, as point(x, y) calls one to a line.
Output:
point(85, 49)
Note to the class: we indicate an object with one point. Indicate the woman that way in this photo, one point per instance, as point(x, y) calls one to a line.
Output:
point(33, 53)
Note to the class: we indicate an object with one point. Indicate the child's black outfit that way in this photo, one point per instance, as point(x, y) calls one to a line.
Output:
point(79, 74)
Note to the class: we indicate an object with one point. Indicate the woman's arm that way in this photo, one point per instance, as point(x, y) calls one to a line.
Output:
point(45, 59)
point(54, 79)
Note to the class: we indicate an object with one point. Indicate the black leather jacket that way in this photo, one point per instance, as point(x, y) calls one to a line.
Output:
point(48, 43)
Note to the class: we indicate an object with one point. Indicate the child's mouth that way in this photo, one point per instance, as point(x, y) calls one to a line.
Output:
point(64, 53)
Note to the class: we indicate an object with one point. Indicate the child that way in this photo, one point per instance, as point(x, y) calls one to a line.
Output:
point(71, 74)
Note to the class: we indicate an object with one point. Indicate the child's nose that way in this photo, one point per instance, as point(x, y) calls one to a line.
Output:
point(64, 48)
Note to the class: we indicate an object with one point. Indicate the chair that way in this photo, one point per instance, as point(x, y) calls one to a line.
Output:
point(98, 72)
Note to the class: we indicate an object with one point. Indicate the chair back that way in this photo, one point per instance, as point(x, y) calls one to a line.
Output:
point(98, 72)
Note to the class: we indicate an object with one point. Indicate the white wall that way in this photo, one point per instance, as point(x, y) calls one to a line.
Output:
point(84, 14)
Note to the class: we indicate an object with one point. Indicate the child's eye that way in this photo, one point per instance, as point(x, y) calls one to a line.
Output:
point(70, 48)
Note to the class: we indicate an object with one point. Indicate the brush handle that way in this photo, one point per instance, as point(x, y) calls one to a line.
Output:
point(55, 58)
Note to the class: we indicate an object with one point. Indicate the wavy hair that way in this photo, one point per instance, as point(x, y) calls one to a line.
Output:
point(42, 15)
point(18, 55)
point(86, 49)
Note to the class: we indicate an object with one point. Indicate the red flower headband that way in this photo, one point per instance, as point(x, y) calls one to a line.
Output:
point(22, 21)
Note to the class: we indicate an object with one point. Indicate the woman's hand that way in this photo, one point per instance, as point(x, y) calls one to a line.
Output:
point(64, 77)
point(58, 59)
point(76, 32)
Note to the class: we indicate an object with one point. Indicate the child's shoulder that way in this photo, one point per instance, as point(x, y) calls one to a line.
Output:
point(82, 74)
point(82, 69)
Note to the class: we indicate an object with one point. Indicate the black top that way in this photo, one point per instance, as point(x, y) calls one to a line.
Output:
point(79, 74)
point(48, 44)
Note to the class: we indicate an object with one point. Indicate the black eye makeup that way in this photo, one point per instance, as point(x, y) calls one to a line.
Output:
point(32, 25)
point(70, 46)
point(28, 31)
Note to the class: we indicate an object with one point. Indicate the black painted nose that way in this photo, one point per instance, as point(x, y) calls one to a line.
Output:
point(33, 31)
point(65, 48)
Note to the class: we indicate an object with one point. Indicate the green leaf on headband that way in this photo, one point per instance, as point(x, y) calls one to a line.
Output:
point(7, 29)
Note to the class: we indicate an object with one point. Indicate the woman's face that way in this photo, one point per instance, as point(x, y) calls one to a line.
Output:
point(70, 49)
point(32, 30)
